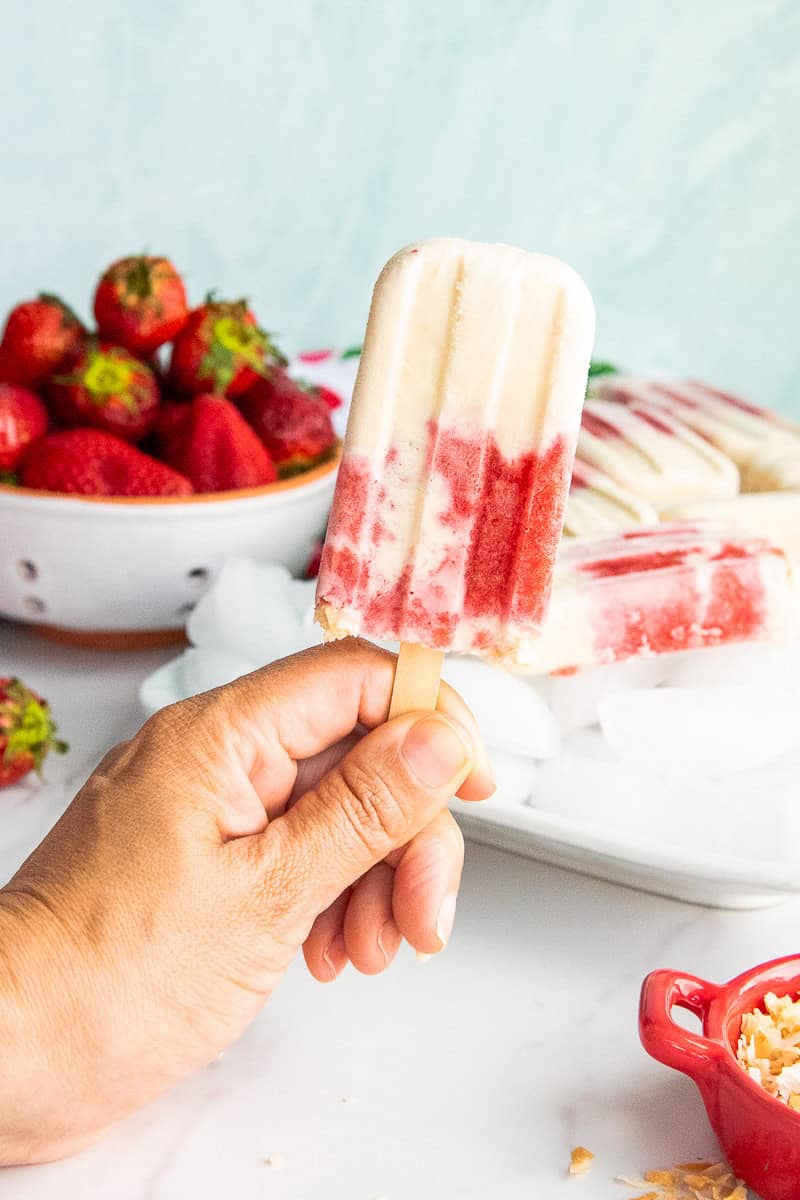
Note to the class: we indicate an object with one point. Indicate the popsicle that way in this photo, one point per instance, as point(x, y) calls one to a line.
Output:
point(450, 497)
point(654, 591)
point(735, 426)
point(596, 505)
point(647, 450)
point(774, 516)
point(775, 468)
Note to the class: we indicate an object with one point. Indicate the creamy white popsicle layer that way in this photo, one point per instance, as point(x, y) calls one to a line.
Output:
point(775, 468)
point(643, 448)
point(735, 426)
point(598, 506)
point(771, 515)
point(450, 497)
point(658, 590)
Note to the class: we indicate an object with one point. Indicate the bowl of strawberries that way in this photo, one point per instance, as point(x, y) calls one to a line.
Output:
point(136, 458)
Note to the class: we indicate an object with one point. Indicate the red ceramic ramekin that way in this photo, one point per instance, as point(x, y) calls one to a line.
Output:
point(759, 1135)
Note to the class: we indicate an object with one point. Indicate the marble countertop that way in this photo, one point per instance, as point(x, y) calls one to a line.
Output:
point(466, 1078)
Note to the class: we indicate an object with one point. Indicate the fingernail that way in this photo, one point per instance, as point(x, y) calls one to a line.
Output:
point(435, 752)
point(331, 951)
point(380, 941)
point(423, 958)
point(445, 919)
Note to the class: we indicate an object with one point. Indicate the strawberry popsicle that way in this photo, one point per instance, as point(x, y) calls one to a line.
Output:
point(775, 468)
point(774, 516)
point(735, 426)
point(651, 453)
point(450, 497)
point(654, 591)
point(597, 505)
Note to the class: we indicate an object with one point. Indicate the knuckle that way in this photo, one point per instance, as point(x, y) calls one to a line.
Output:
point(373, 807)
point(278, 880)
point(168, 725)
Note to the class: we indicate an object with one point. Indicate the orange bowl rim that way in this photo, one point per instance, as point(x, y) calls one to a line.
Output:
point(266, 489)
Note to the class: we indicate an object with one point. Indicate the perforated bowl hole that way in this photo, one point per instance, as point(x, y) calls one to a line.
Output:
point(184, 609)
point(198, 574)
point(34, 604)
point(27, 569)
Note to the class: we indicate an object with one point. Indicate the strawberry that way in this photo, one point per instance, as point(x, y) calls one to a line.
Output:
point(89, 462)
point(23, 419)
point(221, 350)
point(294, 424)
point(216, 448)
point(171, 430)
point(331, 398)
point(140, 303)
point(314, 560)
point(27, 732)
point(38, 336)
point(105, 386)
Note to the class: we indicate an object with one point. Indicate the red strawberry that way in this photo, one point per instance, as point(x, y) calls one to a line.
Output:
point(331, 398)
point(105, 386)
point(294, 425)
point(38, 336)
point(89, 462)
point(27, 732)
point(314, 560)
point(23, 419)
point(140, 303)
point(171, 429)
point(221, 350)
point(216, 448)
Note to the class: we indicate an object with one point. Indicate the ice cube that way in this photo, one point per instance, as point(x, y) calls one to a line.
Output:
point(758, 663)
point(574, 699)
point(710, 730)
point(203, 669)
point(759, 816)
point(301, 593)
point(599, 791)
point(511, 715)
point(251, 612)
point(514, 775)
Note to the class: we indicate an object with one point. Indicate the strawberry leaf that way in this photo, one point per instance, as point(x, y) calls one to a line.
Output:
point(26, 726)
point(598, 367)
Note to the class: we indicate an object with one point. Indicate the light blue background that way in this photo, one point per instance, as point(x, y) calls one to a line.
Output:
point(286, 149)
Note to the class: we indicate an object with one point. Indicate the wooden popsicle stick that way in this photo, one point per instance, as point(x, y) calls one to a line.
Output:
point(416, 679)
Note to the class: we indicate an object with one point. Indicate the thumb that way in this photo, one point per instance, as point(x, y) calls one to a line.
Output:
point(388, 787)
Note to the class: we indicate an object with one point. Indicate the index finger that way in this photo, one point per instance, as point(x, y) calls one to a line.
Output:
point(301, 705)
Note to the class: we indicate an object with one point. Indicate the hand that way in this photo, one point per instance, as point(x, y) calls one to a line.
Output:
point(153, 922)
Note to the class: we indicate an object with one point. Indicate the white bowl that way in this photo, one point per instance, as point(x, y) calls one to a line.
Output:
point(127, 571)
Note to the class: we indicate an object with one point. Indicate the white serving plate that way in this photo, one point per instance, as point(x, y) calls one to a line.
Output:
point(697, 875)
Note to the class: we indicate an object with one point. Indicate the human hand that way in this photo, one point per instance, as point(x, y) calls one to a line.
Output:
point(152, 923)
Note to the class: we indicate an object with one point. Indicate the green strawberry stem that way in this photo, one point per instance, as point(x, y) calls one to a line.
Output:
point(138, 279)
point(599, 367)
point(27, 726)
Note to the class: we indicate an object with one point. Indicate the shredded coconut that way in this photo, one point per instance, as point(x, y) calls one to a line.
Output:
point(688, 1181)
point(580, 1161)
point(769, 1048)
